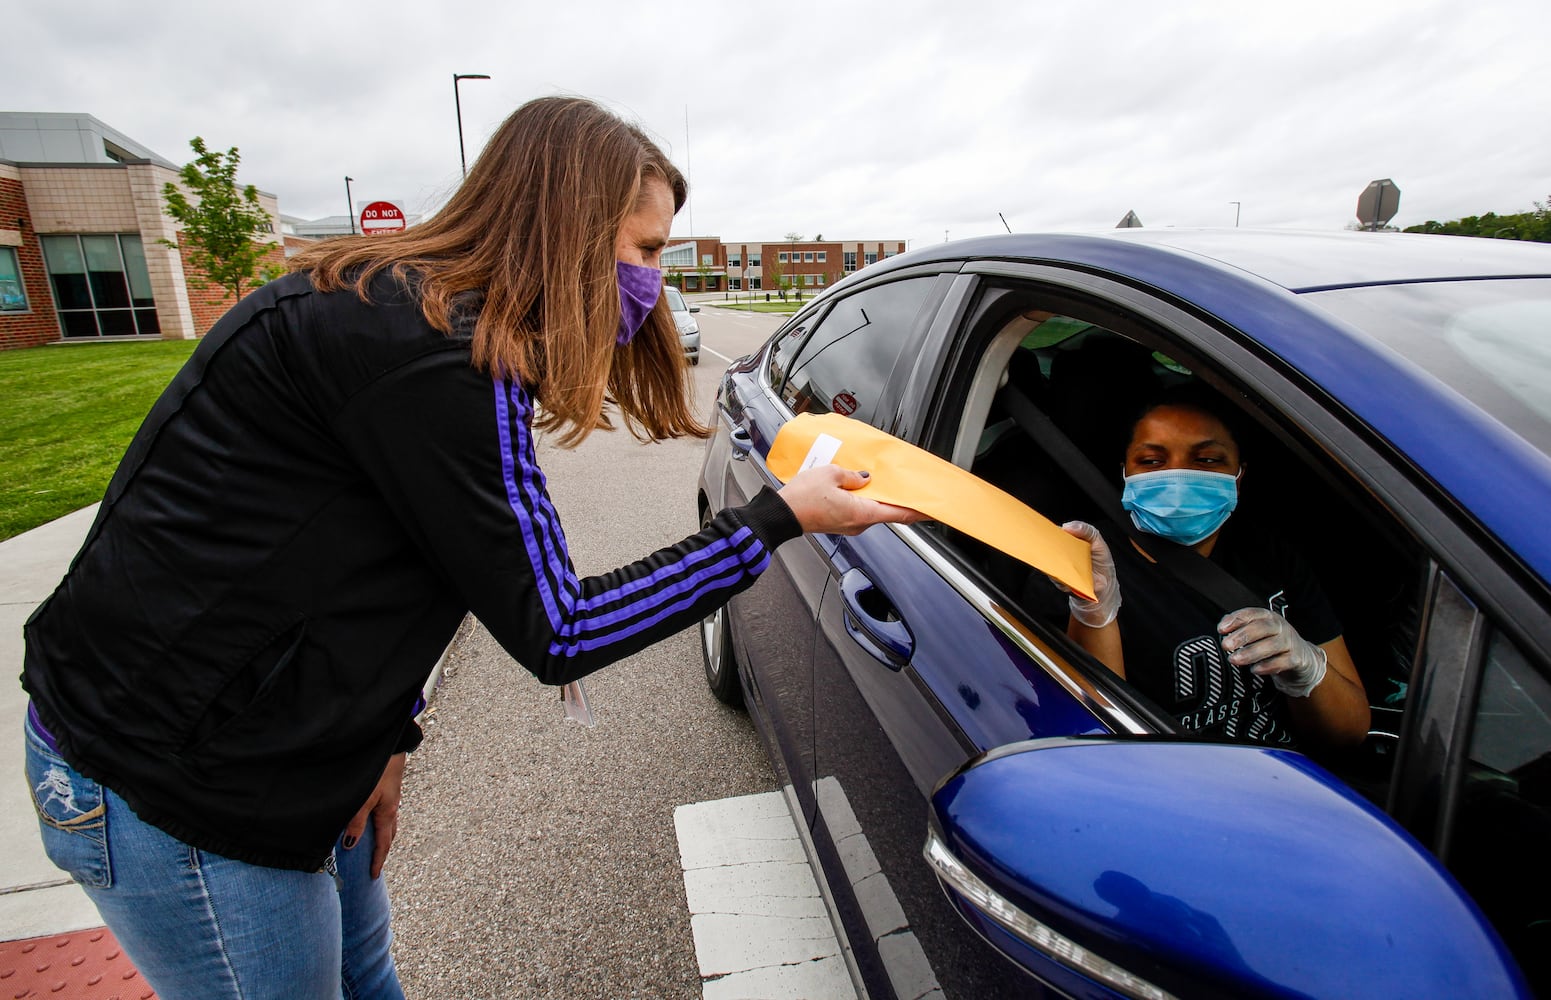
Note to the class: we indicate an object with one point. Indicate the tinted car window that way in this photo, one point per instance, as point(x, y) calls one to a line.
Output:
point(845, 363)
point(1502, 828)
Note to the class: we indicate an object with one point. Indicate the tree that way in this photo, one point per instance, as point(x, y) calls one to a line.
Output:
point(220, 221)
point(704, 271)
point(1532, 226)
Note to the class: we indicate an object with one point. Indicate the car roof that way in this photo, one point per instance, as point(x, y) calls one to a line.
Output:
point(1247, 278)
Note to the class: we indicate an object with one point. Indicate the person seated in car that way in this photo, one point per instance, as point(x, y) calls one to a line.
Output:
point(1279, 674)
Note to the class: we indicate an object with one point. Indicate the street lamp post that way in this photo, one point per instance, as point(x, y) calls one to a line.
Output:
point(350, 204)
point(1236, 206)
point(458, 105)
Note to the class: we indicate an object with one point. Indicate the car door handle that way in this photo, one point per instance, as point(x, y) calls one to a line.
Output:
point(742, 442)
point(872, 620)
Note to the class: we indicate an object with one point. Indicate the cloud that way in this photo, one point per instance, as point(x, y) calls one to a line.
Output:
point(865, 120)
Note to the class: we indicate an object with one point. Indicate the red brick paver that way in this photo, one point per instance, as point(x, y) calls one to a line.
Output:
point(81, 965)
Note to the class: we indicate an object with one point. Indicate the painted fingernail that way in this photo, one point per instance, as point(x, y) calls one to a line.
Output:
point(865, 475)
point(349, 841)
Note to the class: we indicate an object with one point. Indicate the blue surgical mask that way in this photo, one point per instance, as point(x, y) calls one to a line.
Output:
point(639, 290)
point(1182, 505)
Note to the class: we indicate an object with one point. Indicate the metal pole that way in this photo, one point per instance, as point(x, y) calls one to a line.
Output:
point(350, 203)
point(1236, 205)
point(458, 106)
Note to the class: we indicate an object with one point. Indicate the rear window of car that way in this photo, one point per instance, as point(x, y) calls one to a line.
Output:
point(675, 300)
point(1489, 340)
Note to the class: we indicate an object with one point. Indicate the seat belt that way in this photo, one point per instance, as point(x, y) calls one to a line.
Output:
point(1182, 562)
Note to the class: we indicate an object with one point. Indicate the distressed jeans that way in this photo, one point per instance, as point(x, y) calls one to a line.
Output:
point(202, 927)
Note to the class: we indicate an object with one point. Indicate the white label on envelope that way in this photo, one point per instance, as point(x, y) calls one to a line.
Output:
point(823, 452)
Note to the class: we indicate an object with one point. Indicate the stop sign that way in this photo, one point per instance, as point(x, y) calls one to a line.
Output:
point(381, 217)
point(1378, 203)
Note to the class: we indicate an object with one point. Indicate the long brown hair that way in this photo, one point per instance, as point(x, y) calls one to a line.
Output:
point(532, 231)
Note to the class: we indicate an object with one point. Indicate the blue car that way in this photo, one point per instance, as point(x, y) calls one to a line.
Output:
point(992, 812)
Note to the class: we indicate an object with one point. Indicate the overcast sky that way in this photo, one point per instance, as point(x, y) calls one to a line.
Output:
point(901, 120)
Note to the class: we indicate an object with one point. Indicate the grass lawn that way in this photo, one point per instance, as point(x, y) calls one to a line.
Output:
point(66, 415)
point(776, 306)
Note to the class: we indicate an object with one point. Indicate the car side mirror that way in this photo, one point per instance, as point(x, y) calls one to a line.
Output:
point(694, 309)
point(1161, 868)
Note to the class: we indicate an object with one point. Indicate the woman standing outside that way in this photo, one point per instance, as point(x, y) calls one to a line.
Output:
point(223, 683)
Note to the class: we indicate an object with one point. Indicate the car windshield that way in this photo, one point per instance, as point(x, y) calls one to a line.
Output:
point(1489, 340)
point(675, 300)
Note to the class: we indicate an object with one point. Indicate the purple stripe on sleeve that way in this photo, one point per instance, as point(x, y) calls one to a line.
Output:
point(677, 568)
point(554, 557)
point(731, 564)
point(585, 645)
point(559, 589)
point(514, 500)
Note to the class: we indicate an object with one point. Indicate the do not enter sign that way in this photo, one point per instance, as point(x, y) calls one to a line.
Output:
point(381, 217)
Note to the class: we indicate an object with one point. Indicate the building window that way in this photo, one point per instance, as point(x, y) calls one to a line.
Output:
point(707, 260)
point(753, 260)
point(821, 279)
point(807, 256)
point(869, 259)
point(754, 283)
point(101, 285)
point(13, 291)
point(823, 256)
point(734, 261)
point(849, 258)
point(682, 255)
point(735, 284)
point(890, 253)
point(808, 278)
point(781, 257)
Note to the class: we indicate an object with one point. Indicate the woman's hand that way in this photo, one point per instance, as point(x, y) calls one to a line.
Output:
point(383, 808)
point(1105, 605)
point(823, 502)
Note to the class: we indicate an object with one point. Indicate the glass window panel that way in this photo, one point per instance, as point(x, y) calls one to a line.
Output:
point(105, 269)
point(149, 323)
point(67, 272)
point(13, 291)
point(116, 322)
point(845, 364)
point(134, 266)
point(1503, 823)
point(79, 324)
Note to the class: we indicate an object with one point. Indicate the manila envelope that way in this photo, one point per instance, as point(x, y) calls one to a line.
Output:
point(907, 476)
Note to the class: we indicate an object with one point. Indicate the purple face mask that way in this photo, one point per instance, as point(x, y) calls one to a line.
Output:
point(639, 290)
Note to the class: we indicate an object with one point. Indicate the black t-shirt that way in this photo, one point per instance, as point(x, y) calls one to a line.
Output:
point(1174, 655)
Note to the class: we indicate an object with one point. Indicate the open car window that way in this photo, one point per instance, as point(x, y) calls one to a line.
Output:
point(1090, 373)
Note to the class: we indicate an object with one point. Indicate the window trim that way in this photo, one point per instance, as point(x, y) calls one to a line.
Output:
point(21, 281)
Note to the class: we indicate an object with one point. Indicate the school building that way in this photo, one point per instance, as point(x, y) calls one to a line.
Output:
point(708, 264)
point(81, 231)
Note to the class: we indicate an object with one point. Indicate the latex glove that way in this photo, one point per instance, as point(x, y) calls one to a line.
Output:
point(1267, 643)
point(1102, 610)
point(382, 806)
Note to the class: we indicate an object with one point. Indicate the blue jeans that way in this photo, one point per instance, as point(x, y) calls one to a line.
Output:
point(204, 927)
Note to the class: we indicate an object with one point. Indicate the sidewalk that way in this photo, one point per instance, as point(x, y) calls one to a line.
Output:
point(35, 897)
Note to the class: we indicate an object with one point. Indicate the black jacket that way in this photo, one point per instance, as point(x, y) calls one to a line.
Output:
point(289, 543)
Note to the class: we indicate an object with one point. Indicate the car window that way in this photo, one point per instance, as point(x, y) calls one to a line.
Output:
point(844, 364)
point(675, 300)
point(1306, 537)
point(1502, 826)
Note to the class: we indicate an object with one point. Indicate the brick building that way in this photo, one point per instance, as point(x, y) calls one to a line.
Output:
point(706, 263)
point(81, 225)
